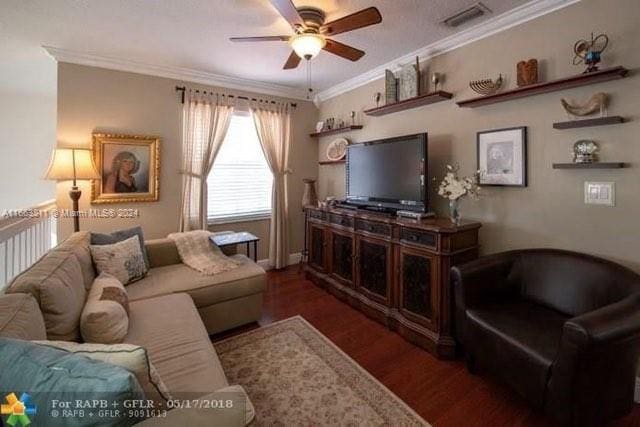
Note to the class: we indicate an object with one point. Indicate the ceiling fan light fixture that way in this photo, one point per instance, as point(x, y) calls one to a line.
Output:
point(307, 45)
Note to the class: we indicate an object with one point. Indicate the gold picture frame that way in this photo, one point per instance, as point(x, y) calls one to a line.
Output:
point(129, 167)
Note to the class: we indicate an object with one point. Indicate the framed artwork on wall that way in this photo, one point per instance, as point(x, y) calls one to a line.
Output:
point(129, 167)
point(502, 157)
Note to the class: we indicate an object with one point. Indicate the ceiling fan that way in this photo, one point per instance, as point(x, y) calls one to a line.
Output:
point(311, 32)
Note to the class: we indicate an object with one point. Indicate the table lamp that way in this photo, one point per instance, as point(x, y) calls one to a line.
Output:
point(72, 164)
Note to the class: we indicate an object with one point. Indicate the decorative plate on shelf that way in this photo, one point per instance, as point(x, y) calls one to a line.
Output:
point(337, 149)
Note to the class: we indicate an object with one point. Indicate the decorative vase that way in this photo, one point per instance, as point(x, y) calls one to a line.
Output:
point(309, 197)
point(454, 211)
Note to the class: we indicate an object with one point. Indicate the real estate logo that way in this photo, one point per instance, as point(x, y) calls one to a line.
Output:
point(18, 410)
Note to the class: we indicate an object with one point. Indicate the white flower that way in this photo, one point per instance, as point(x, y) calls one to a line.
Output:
point(452, 187)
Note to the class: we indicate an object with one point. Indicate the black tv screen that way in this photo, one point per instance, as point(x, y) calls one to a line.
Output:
point(388, 172)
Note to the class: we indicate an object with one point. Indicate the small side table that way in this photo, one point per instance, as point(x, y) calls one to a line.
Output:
point(236, 239)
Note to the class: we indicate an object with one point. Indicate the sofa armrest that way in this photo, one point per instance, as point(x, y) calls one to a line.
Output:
point(477, 281)
point(162, 252)
point(596, 364)
point(619, 321)
point(482, 279)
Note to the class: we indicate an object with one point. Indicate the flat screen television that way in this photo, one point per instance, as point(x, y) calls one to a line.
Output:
point(388, 174)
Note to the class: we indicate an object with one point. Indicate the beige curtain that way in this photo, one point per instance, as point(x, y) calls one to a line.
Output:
point(273, 124)
point(206, 119)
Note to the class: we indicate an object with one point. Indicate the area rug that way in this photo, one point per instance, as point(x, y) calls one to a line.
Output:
point(295, 376)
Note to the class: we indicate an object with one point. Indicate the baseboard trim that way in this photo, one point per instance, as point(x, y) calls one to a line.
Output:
point(293, 259)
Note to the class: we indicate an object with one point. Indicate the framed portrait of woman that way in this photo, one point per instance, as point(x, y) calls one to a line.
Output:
point(129, 167)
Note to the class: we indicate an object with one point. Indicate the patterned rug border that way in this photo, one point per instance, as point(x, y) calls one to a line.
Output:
point(355, 365)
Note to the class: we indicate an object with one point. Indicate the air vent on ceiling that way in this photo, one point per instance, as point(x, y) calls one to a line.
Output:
point(466, 15)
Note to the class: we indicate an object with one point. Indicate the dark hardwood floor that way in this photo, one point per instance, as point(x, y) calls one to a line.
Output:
point(442, 392)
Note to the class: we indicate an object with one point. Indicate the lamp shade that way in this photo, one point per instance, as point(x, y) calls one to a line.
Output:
point(71, 164)
point(307, 46)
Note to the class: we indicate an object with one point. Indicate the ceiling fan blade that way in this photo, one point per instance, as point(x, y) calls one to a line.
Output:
point(292, 61)
point(260, 39)
point(363, 18)
point(287, 9)
point(342, 50)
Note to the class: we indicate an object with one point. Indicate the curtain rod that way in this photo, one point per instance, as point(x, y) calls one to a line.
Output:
point(183, 89)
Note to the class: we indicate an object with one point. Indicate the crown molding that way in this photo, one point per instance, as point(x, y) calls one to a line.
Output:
point(176, 73)
point(512, 18)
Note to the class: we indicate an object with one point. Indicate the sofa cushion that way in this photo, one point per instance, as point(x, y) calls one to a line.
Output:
point(248, 279)
point(516, 337)
point(48, 373)
point(57, 283)
point(78, 244)
point(104, 320)
point(20, 317)
point(129, 356)
point(119, 236)
point(170, 328)
point(123, 260)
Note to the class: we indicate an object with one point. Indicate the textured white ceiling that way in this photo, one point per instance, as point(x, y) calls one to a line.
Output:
point(194, 33)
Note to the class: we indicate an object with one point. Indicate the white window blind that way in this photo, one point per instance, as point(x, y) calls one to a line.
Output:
point(240, 181)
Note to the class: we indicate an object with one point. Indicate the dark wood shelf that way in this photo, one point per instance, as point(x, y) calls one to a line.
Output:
point(332, 162)
point(418, 101)
point(334, 131)
point(546, 87)
point(595, 165)
point(583, 123)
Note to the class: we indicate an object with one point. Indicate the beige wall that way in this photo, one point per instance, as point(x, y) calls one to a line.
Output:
point(99, 100)
point(550, 212)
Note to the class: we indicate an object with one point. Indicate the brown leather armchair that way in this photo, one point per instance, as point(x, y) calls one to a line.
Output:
point(561, 328)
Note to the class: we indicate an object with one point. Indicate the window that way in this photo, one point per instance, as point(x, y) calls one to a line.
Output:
point(240, 181)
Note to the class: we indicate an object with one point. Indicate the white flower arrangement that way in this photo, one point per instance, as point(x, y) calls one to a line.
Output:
point(453, 187)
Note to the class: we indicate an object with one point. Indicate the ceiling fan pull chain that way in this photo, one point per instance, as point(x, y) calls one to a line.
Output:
point(310, 90)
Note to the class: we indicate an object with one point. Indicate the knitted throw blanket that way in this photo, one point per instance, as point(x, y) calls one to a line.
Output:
point(199, 253)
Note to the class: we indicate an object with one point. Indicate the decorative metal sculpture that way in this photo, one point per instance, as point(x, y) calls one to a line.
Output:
point(590, 52)
point(487, 86)
point(597, 103)
point(584, 151)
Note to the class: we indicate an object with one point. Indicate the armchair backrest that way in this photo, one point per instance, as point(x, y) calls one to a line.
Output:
point(570, 282)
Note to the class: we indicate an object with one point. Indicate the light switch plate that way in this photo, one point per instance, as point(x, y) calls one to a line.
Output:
point(600, 193)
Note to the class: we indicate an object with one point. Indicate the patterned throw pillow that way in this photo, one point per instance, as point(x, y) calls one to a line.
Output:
point(105, 320)
point(128, 356)
point(116, 294)
point(123, 260)
point(119, 236)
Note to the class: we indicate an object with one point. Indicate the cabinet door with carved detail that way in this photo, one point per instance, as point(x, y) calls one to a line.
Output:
point(341, 254)
point(417, 286)
point(317, 243)
point(373, 269)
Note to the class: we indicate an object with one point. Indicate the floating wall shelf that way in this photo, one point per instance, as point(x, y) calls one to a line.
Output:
point(595, 165)
point(600, 121)
point(332, 162)
point(334, 131)
point(546, 87)
point(418, 101)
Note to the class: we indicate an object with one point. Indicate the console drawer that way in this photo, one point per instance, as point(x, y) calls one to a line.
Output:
point(419, 237)
point(316, 214)
point(373, 227)
point(344, 221)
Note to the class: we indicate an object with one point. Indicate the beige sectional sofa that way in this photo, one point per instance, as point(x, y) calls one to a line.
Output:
point(172, 311)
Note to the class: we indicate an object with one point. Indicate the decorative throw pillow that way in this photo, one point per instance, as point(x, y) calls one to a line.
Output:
point(47, 373)
point(123, 260)
point(129, 356)
point(119, 236)
point(105, 316)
